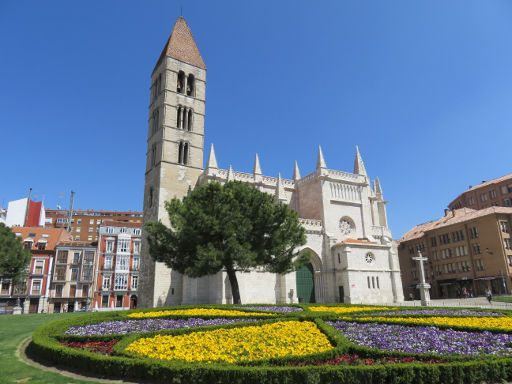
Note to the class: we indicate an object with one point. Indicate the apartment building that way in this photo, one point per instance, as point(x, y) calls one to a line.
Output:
point(72, 284)
point(496, 192)
point(468, 251)
point(34, 293)
point(118, 265)
point(85, 224)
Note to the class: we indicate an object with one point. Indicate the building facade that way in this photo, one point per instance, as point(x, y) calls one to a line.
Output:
point(72, 283)
point(35, 292)
point(117, 277)
point(496, 192)
point(353, 259)
point(85, 223)
point(468, 251)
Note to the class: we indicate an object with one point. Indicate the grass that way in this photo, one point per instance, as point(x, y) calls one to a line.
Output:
point(504, 299)
point(13, 330)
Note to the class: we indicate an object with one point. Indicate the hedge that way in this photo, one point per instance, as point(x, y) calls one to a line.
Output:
point(46, 346)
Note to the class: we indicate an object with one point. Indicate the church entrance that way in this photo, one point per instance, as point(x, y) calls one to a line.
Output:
point(305, 284)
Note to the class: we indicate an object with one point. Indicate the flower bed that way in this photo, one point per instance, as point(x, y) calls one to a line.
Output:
point(400, 338)
point(252, 343)
point(489, 323)
point(437, 312)
point(273, 308)
point(348, 309)
point(197, 312)
point(122, 327)
point(267, 344)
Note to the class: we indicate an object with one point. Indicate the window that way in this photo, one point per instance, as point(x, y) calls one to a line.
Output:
point(191, 91)
point(106, 283)
point(150, 197)
point(368, 279)
point(87, 273)
point(507, 202)
point(89, 257)
point(180, 86)
point(504, 226)
point(110, 230)
point(136, 247)
point(473, 233)
point(433, 242)
point(38, 267)
point(60, 273)
point(62, 257)
point(28, 244)
point(137, 231)
point(190, 116)
point(484, 197)
point(121, 282)
point(36, 287)
point(91, 221)
point(85, 290)
point(41, 245)
point(377, 279)
point(183, 153)
point(123, 245)
point(77, 238)
point(90, 229)
point(122, 263)
point(159, 84)
point(136, 263)
point(492, 193)
point(476, 249)
point(444, 239)
point(5, 288)
point(58, 290)
point(509, 257)
point(479, 265)
point(104, 301)
point(508, 243)
point(179, 116)
point(74, 274)
point(89, 238)
point(76, 257)
point(135, 282)
point(110, 246)
point(77, 229)
point(108, 262)
point(457, 236)
point(72, 290)
point(471, 200)
point(119, 301)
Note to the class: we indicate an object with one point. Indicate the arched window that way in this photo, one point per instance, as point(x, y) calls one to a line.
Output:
point(189, 120)
point(153, 155)
point(150, 197)
point(181, 82)
point(191, 90)
point(156, 120)
point(185, 153)
point(178, 117)
point(159, 82)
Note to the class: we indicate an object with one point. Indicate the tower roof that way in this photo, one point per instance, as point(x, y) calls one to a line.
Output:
point(320, 162)
point(212, 159)
point(359, 167)
point(182, 46)
point(257, 166)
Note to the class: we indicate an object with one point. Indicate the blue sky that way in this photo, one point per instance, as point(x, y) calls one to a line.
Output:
point(423, 87)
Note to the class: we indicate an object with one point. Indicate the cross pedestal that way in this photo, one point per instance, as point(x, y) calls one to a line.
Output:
point(423, 286)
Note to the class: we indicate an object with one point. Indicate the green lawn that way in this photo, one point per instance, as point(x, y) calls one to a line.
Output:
point(13, 330)
point(505, 299)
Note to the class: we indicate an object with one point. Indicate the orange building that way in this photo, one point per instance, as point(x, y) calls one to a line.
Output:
point(496, 192)
point(34, 293)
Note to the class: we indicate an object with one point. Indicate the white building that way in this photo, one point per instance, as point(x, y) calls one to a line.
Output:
point(20, 213)
point(353, 260)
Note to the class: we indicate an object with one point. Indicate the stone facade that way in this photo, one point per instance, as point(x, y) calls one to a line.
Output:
point(353, 259)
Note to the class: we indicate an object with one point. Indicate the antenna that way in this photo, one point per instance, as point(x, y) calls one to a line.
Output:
point(70, 214)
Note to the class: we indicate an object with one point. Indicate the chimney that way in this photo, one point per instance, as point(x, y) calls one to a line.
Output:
point(446, 211)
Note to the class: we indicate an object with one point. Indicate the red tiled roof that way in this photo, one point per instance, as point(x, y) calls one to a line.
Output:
point(54, 235)
point(182, 46)
point(113, 223)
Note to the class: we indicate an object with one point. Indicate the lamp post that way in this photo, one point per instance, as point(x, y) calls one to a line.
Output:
point(423, 286)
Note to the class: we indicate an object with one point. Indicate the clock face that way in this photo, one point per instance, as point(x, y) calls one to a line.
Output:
point(370, 258)
point(345, 227)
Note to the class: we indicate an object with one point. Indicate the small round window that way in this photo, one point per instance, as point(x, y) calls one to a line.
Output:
point(346, 226)
point(370, 257)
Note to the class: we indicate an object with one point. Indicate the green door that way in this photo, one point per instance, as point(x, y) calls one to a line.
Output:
point(305, 284)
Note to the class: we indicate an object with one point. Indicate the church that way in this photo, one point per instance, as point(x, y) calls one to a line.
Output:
point(344, 214)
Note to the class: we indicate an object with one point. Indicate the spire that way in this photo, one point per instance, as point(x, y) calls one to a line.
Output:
point(257, 166)
point(182, 46)
point(231, 175)
point(320, 163)
point(296, 172)
point(212, 159)
point(359, 167)
point(377, 188)
point(280, 194)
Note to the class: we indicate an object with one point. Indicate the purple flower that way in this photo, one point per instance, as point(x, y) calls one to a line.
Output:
point(145, 325)
point(410, 339)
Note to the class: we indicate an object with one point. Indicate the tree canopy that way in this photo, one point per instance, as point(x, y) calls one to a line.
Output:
point(231, 227)
point(14, 258)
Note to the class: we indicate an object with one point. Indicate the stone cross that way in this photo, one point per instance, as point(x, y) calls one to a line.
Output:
point(423, 286)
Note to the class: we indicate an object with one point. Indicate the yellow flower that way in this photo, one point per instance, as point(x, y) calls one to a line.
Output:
point(198, 312)
point(276, 340)
point(490, 323)
point(350, 309)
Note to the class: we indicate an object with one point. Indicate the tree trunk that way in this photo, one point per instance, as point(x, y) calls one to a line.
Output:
point(235, 290)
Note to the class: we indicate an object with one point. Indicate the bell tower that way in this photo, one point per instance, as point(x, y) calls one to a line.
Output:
point(175, 147)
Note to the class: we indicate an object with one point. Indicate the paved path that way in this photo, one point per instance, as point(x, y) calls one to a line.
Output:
point(475, 302)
